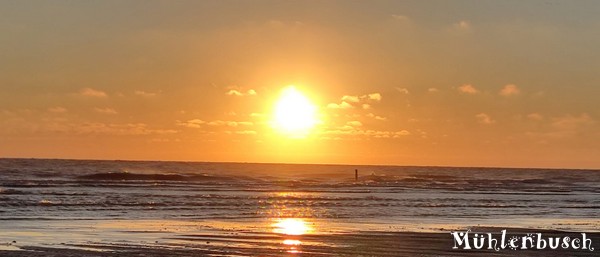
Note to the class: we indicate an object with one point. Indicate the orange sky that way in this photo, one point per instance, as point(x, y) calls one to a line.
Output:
point(460, 83)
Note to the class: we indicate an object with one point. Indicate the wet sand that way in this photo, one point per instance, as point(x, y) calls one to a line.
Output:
point(273, 244)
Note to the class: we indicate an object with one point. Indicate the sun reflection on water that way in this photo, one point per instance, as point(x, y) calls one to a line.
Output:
point(292, 229)
point(292, 226)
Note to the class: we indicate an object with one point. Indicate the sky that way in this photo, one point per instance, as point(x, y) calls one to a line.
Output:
point(433, 83)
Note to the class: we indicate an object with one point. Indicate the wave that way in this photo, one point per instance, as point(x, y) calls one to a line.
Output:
point(158, 177)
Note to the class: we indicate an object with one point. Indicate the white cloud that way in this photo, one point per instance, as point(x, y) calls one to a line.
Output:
point(366, 106)
point(510, 90)
point(468, 89)
point(92, 92)
point(432, 90)
point(485, 119)
point(105, 110)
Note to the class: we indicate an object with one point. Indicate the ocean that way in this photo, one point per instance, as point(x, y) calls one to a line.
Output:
point(96, 202)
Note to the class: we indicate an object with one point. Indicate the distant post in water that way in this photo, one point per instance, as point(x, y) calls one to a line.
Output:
point(355, 174)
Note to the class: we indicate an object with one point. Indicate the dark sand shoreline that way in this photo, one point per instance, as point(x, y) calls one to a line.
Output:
point(271, 244)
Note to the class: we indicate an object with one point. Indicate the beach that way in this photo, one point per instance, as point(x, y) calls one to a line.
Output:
point(132, 208)
point(268, 244)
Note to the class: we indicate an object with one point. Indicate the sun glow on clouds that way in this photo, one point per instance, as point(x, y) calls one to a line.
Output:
point(294, 114)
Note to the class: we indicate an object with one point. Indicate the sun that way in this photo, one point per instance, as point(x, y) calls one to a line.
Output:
point(294, 114)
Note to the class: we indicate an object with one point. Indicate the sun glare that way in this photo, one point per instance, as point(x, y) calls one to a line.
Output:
point(291, 226)
point(294, 114)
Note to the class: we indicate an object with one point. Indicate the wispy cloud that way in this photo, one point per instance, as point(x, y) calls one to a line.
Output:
point(57, 109)
point(468, 89)
point(485, 119)
point(510, 90)
point(144, 93)
point(374, 96)
point(105, 110)
point(343, 105)
point(399, 17)
point(571, 122)
point(193, 123)
point(535, 116)
point(354, 123)
point(377, 117)
point(351, 98)
point(463, 26)
point(238, 92)
point(90, 92)
point(402, 90)
point(119, 129)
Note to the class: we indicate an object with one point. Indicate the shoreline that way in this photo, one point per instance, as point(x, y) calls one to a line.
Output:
point(359, 243)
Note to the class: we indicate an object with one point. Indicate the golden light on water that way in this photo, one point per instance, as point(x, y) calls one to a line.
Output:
point(294, 114)
point(291, 242)
point(291, 226)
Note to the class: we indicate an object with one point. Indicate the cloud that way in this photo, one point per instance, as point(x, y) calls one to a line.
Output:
point(351, 98)
point(194, 123)
point(238, 92)
point(105, 110)
point(433, 90)
point(374, 96)
point(510, 90)
point(198, 123)
point(246, 132)
point(90, 92)
point(399, 17)
point(535, 116)
point(571, 122)
point(343, 105)
point(119, 129)
point(485, 119)
point(351, 133)
point(229, 123)
point(144, 93)
point(370, 115)
point(462, 26)
point(568, 126)
point(352, 101)
point(402, 90)
point(354, 123)
point(468, 89)
point(57, 109)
